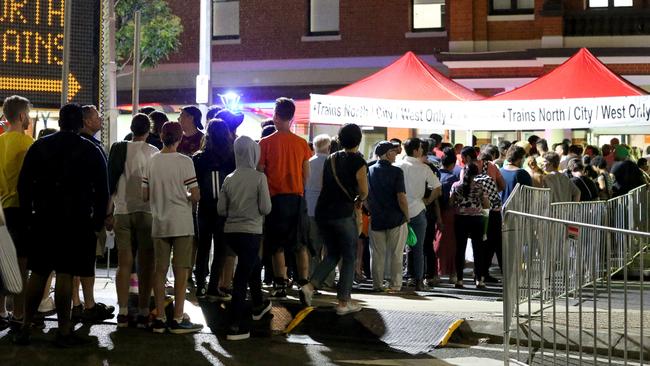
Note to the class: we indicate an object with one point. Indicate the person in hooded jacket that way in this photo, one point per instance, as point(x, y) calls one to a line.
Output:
point(213, 163)
point(244, 200)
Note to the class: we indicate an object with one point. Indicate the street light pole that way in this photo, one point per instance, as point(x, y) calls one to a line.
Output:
point(204, 78)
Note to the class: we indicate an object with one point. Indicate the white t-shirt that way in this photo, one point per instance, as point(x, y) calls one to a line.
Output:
point(169, 176)
point(128, 198)
point(417, 177)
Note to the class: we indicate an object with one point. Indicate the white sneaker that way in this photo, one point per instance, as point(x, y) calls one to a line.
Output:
point(306, 294)
point(349, 308)
point(47, 305)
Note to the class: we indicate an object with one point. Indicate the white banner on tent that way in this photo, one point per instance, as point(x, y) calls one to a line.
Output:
point(483, 115)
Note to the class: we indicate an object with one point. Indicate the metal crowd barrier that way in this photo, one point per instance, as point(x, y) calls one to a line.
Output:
point(557, 257)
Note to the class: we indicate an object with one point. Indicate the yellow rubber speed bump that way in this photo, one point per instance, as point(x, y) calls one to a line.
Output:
point(298, 319)
point(450, 331)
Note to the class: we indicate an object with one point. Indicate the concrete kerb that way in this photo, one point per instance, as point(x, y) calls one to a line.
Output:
point(473, 331)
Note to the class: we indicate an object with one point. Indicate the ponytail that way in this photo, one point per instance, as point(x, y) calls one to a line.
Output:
point(471, 171)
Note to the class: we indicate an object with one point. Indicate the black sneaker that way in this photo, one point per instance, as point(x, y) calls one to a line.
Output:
point(218, 296)
point(143, 322)
point(237, 334)
point(38, 322)
point(123, 321)
point(201, 292)
point(159, 326)
point(98, 313)
point(23, 337)
point(4, 322)
point(15, 324)
point(279, 293)
point(260, 311)
point(71, 340)
point(490, 279)
point(77, 313)
point(185, 326)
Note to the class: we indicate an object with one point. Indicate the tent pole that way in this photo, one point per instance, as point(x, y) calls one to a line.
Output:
point(469, 139)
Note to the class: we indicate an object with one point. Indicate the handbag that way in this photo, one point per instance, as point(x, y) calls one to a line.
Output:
point(11, 281)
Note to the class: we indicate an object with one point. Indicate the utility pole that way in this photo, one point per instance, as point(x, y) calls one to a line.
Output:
point(204, 77)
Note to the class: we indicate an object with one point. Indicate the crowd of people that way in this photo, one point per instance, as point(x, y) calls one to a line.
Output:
point(279, 211)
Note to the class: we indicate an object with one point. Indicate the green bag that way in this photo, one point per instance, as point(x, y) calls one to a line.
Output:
point(411, 239)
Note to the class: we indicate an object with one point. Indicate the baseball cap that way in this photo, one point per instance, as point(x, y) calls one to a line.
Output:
point(233, 120)
point(384, 146)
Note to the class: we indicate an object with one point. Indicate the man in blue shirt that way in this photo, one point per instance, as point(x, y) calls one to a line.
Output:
point(389, 213)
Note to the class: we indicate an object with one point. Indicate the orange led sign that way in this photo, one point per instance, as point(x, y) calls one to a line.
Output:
point(31, 50)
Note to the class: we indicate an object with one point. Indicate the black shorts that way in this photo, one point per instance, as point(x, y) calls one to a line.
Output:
point(70, 251)
point(281, 225)
point(17, 228)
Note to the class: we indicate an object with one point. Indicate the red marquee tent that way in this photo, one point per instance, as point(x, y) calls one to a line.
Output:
point(408, 78)
point(581, 76)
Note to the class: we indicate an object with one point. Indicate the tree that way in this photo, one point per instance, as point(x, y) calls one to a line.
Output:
point(160, 35)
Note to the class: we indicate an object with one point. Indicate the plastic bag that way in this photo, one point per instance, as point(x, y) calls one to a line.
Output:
point(486, 220)
point(110, 239)
point(411, 239)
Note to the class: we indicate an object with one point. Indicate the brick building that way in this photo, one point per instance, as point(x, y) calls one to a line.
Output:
point(496, 45)
point(266, 48)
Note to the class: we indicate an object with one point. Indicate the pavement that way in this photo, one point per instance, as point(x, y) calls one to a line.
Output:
point(388, 331)
point(322, 338)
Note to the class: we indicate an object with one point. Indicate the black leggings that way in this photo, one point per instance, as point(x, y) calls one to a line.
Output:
point(210, 227)
point(469, 227)
point(247, 274)
point(494, 239)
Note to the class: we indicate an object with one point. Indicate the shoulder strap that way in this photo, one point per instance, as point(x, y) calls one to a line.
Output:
point(336, 178)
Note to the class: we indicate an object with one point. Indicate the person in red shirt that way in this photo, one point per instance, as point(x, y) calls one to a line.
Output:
point(285, 161)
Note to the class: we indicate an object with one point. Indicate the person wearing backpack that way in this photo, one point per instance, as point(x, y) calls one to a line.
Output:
point(131, 219)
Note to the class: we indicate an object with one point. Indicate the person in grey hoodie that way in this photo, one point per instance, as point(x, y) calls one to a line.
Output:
point(244, 200)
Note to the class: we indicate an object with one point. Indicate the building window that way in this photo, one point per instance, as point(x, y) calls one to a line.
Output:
point(610, 3)
point(225, 19)
point(428, 15)
point(323, 17)
point(504, 7)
